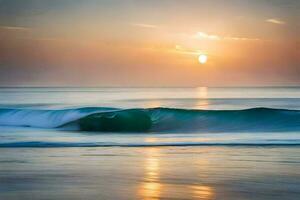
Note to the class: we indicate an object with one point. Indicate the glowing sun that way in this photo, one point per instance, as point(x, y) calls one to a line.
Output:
point(202, 59)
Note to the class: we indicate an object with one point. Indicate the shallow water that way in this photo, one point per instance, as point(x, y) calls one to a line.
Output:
point(150, 173)
point(201, 143)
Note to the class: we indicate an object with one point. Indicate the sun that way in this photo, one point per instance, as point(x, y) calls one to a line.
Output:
point(202, 59)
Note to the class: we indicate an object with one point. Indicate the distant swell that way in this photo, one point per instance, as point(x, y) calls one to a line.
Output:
point(99, 119)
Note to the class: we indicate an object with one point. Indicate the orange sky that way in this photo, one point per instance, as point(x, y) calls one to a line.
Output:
point(143, 43)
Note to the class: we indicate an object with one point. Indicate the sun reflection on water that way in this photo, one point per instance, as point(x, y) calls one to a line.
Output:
point(153, 104)
point(202, 192)
point(151, 188)
point(202, 96)
point(202, 92)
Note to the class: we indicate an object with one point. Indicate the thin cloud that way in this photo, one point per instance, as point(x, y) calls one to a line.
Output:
point(241, 39)
point(15, 28)
point(205, 36)
point(144, 25)
point(183, 50)
point(275, 21)
point(202, 35)
point(48, 39)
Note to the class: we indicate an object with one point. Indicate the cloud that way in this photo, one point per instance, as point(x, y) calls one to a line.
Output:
point(203, 35)
point(183, 50)
point(275, 21)
point(241, 39)
point(15, 28)
point(144, 25)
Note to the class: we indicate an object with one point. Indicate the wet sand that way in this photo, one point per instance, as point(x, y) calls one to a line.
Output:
point(150, 173)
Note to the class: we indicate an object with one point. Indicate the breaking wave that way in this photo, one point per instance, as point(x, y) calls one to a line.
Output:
point(99, 119)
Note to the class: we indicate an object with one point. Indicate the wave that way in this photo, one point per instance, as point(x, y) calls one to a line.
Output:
point(101, 119)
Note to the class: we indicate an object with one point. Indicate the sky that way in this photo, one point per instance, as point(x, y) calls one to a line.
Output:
point(142, 43)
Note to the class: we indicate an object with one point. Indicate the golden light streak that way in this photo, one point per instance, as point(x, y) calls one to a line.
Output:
point(203, 192)
point(150, 189)
point(202, 96)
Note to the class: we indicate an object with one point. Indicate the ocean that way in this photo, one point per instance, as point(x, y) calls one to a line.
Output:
point(150, 143)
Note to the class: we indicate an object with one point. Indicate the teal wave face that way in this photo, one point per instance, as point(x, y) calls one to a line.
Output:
point(253, 120)
point(129, 121)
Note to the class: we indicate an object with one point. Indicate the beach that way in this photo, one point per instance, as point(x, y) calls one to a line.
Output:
point(150, 173)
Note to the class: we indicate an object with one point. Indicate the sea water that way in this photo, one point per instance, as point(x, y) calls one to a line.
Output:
point(150, 143)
